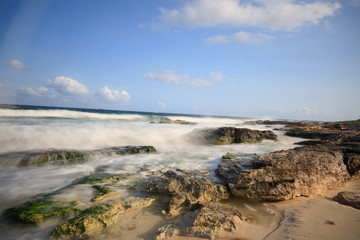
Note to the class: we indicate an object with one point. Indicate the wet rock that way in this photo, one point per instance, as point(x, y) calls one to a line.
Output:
point(183, 122)
point(283, 175)
point(67, 157)
point(228, 135)
point(336, 131)
point(187, 190)
point(348, 198)
point(278, 122)
point(203, 223)
point(98, 218)
point(38, 211)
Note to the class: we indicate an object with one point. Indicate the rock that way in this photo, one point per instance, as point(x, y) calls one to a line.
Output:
point(40, 210)
point(98, 218)
point(232, 164)
point(326, 131)
point(348, 198)
point(67, 157)
point(183, 122)
point(187, 190)
point(278, 122)
point(203, 223)
point(283, 175)
point(228, 135)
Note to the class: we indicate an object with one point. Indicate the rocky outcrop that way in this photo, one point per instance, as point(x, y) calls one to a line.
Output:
point(278, 122)
point(228, 135)
point(98, 218)
point(283, 175)
point(327, 131)
point(67, 157)
point(178, 121)
point(348, 198)
point(205, 222)
point(187, 190)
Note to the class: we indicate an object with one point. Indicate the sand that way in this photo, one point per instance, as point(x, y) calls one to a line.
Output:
point(304, 218)
point(318, 217)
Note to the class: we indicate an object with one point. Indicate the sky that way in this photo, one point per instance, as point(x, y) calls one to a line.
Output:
point(283, 59)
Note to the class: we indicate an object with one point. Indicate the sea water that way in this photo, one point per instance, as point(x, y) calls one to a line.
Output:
point(26, 128)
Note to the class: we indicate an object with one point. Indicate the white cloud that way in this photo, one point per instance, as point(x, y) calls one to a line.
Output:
point(114, 95)
point(162, 104)
point(307, 110)
point(240, 37)
point(1, 85)
point(34, 92)
point(16, 64)
point(169, 76)
point(68, 86)
point(285, 15)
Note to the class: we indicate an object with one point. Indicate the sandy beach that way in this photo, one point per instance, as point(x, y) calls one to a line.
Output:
point(307, 218)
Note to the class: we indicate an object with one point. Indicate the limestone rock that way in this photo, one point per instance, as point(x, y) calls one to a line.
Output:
point(97, 218)
point(348, 198)
point(187, 190)
point(204, 223)
point(283, 175)
point(228, 135)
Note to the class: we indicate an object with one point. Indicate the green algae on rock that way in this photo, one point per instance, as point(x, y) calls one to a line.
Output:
point(98, 217)
point(68, 157)
point(40, 210)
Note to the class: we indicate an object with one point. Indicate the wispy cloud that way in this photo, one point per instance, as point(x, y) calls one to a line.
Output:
point(354, 3)
point(240, 37)
point(41, 91)
point(114, 95)
point(16, 64)
point(307, 111)
point(287, 15)
point(162, 105)
point(68, 86)
point(169, 76)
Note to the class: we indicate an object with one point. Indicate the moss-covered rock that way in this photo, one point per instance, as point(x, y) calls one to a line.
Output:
point(40, 210)
point(102, 178)
point(66, 157)
point(103, 192)
point(97, 218)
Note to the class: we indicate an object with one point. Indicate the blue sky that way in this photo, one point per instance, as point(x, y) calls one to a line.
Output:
point(253, 58)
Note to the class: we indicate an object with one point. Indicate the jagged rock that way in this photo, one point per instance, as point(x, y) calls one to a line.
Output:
point(203, 223)
point(97, 218)
point(283, 175)
point(187, 190)
point(348, 198)
point(327, 131)
point(232, 164)
point(66, 157)
point(227, 135)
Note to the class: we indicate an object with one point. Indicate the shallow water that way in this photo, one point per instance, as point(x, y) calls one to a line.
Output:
point(29, 130)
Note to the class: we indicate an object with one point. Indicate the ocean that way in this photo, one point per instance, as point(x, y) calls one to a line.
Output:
point(34, 128)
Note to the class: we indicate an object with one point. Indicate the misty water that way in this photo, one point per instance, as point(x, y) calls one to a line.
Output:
point(42, 129)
